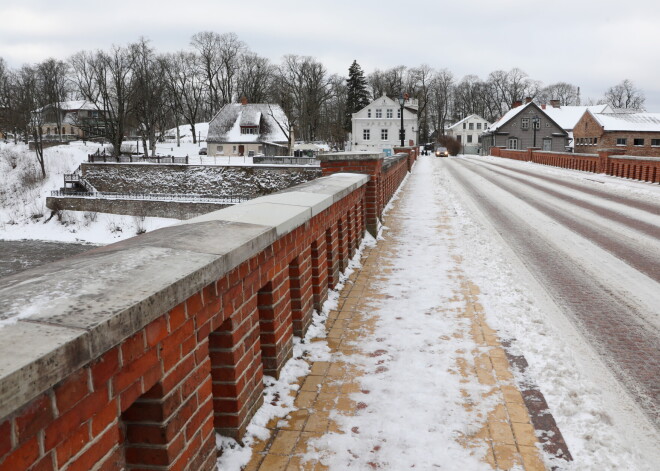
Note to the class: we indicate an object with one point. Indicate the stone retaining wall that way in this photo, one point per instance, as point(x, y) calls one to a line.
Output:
point(248, 181)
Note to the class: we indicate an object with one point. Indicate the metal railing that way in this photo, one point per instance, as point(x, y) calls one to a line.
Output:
point(286, 160)
point(159, 159)
point(226, 199)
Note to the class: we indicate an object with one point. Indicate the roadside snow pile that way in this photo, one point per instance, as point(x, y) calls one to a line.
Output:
point(23, 192)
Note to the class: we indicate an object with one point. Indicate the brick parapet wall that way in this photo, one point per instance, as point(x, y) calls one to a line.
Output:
point(386, 175)
point(606, 161)
point(131, 355)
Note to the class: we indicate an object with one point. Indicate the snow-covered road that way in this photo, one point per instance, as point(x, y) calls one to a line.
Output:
point(587, 250)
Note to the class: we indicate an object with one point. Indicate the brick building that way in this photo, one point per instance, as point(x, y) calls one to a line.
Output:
point(632, 133)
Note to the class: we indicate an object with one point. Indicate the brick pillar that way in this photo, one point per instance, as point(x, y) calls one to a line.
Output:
point(236, 367)
point(411, 152)
point(530, 153)
point(319, 259)
point(300, 281)
point(275, 323)
point(342, 245)
point(360, 162)
point(171, 425)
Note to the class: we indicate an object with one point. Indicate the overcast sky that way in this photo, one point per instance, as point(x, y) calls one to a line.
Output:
point(590, 43)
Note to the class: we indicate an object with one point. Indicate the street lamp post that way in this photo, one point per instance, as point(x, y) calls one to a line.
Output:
point(402, 132)
point(535, 124)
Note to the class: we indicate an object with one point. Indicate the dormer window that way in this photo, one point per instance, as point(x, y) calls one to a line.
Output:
point(249, 130)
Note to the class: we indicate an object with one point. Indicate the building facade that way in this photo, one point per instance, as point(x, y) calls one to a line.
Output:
point(525, 126)
point(376, 126)
point(468, 132)
point(631, 133)
point(76, 119)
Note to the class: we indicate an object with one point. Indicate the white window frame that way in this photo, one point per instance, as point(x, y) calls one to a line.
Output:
point(384, 134)
point(368, 113)
point(624, 141)
point(640, 139)
point(398, 113)
point(379, 113)
point(366, 134)
point(524, 123)
point(469, 138)
point(388, 113)
point(510, 141)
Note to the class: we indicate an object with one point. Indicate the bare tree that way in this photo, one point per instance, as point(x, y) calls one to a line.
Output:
point(106, 80)
point(419, 86)
point(565, 93)
point(440, 98)
point(54, 78)
point(187, 87)
point(625, 95)
point(254, 77)
point(390, 82)
point(149, 93)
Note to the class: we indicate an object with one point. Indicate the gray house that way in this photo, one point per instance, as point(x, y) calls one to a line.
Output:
point(525, 126)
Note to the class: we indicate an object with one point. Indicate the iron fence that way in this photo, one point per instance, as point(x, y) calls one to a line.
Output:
point(227, 199)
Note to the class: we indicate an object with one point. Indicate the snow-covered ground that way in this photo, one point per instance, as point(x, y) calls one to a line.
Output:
point(23, 212)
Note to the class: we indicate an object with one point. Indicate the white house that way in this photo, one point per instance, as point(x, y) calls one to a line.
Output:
point(376, 126)
point(248, 129)
point(467, 131)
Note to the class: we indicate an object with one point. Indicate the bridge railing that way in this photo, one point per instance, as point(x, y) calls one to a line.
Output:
point(133, 354)
point(151, 196)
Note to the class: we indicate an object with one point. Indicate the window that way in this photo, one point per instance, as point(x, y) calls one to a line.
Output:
point(368, 113)
point(379, 113)
point(458, 137)
point(464, 125)
point(512, 143)
point(595, 140)
point(398, 113)
point(471, 126)
point(366, 134)
point(469, 138)
point(383, 134)
point(621, 141)
point(478, 125)
point(537, 124)
point(249, 130)
point(220, 149)
point(234, 149)
point(591, 141)
point(389, 113)
point(524, 124)
point(655, 142)
point(638, 142)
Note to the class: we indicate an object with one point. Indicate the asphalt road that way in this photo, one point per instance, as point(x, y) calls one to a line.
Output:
point(596, 252)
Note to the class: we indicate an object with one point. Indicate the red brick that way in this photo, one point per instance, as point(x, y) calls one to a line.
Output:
point(5, 438)
point(133, 371)
point(177, 316)
point(34, 417)
point(72, 390)
point(21, 458)
point(105, 417)
point(105, 367)
point(72, 444)
point(156, 331)
point(98, 449)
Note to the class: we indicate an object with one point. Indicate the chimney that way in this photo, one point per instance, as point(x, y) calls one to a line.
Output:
point(543, 106)
point(555, 103)
point(244, 100)
point(516, 104)
point(528, 99)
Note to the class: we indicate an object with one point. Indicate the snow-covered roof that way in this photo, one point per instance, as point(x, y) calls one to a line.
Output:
point(568, 116)
point(508, 116)
point(74, 105)
point(226, 125)
point(649, 122)
point(464, 120)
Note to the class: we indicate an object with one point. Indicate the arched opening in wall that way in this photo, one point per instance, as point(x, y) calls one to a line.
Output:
point(342, 253)
point(332, 258)
point(350, 242)
point(319, 273)
point(275, 323)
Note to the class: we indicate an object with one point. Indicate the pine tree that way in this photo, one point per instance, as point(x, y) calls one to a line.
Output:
point(358, 97)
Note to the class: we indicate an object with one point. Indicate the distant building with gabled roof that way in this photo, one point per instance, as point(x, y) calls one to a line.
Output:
point(631, 133)
point(248, 129)
point(72, 119)
point(376, 126)
point(525, 126)
point(468, 132)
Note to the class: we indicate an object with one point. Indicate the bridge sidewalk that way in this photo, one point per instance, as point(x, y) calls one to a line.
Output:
point(460, 409)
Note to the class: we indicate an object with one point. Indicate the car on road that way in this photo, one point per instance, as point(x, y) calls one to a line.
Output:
point(202, 151)
point(441, 152)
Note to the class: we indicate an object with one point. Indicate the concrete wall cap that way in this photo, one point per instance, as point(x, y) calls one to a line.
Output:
point(351, 156)
point(635, 157)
